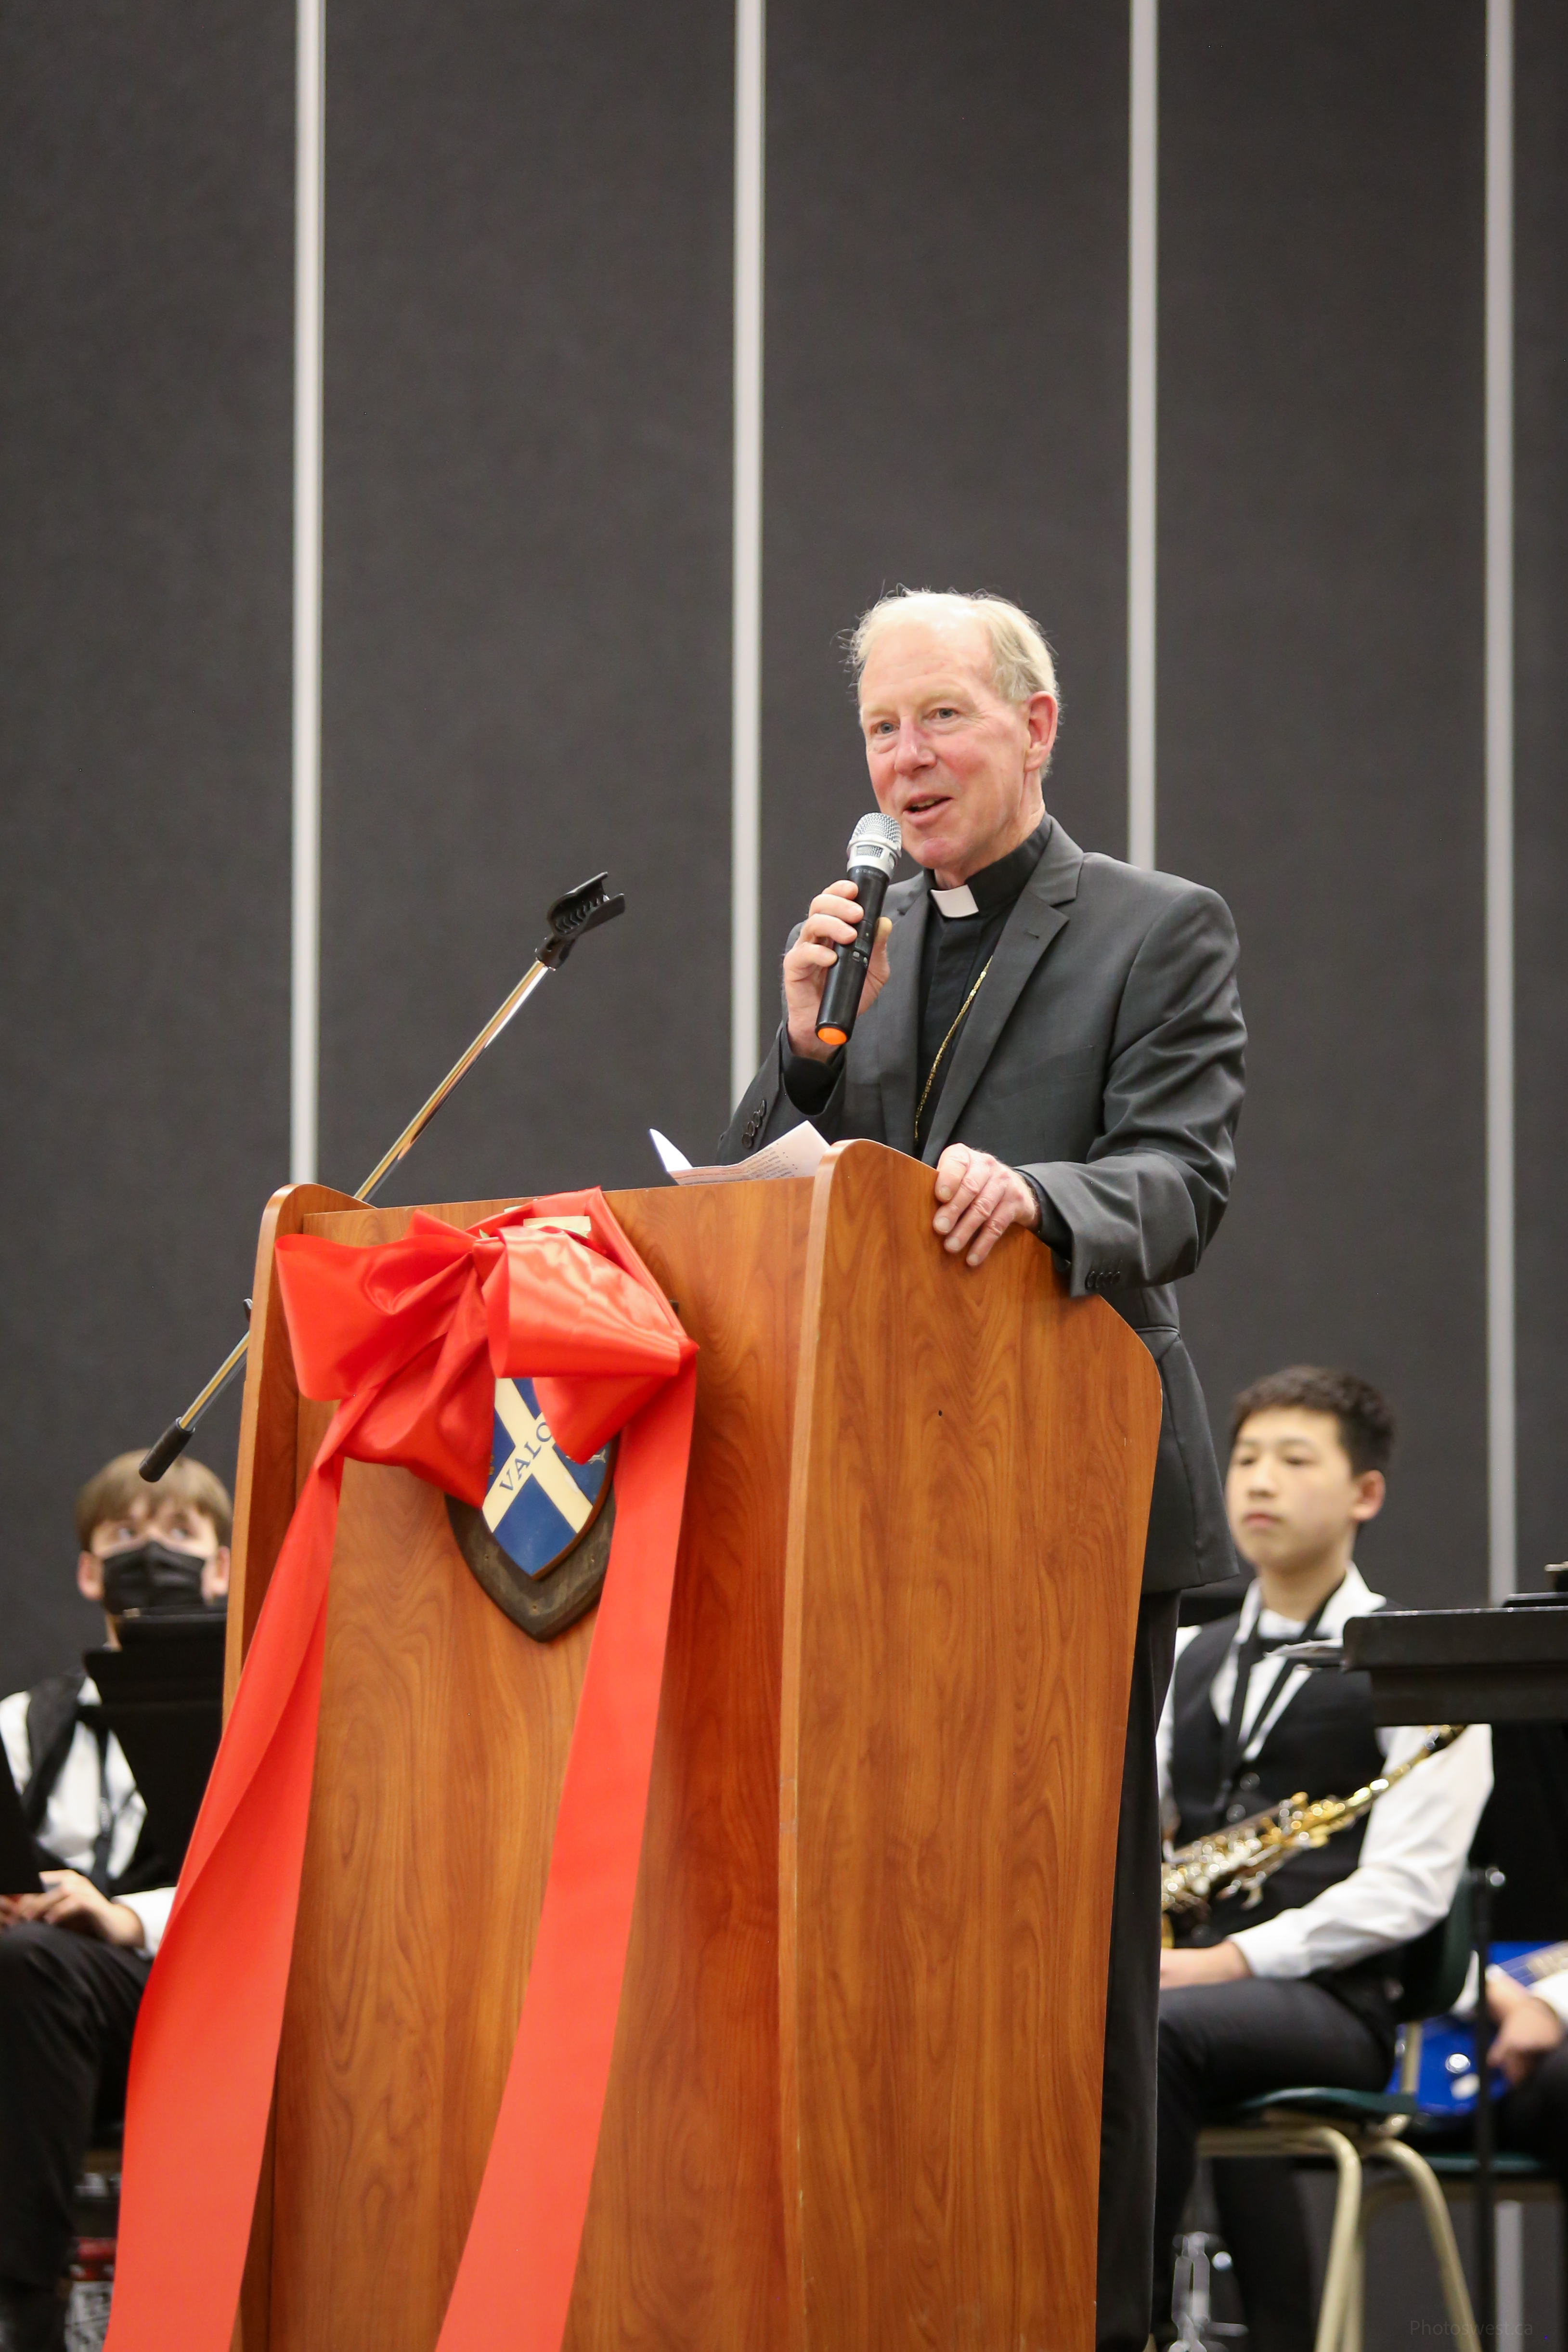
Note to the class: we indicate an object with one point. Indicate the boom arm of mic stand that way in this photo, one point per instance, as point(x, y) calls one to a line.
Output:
point(421, 1118)
point(582, 909)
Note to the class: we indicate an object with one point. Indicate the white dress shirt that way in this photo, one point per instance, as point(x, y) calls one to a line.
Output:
point(1417, 1836)
point(87, 1799)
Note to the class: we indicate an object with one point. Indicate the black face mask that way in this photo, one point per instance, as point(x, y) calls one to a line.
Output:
point(152, 1575)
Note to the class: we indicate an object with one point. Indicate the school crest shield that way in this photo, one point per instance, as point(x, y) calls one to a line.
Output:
point(539, 1543)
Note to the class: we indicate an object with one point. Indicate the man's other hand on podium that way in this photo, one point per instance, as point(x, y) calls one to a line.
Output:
point(978, 1198)
point(69, 1900)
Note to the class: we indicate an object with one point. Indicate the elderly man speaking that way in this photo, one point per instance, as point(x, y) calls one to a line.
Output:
point(1060, 1036)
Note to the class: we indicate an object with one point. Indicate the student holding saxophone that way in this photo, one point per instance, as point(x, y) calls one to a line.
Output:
point(1296, 1987)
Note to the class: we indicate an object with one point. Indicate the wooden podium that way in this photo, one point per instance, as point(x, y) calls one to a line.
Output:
point(855, 2099)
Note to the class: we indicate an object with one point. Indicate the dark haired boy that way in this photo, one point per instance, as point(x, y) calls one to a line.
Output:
point(1302, 1988)
point(75, 1958)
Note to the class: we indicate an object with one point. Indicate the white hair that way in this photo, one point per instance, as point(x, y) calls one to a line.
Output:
point(1021, 658)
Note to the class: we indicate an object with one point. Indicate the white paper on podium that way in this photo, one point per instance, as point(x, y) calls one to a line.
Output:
point(795, 1154)
point(671, 1157)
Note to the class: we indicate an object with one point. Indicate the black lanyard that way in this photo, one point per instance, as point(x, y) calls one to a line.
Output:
point(1252, 1650)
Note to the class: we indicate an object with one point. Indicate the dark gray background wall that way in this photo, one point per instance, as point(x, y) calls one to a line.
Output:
point(527, 620)
point(947, 380)
point(526, 647)
point(146, 353)
point(1321, 699)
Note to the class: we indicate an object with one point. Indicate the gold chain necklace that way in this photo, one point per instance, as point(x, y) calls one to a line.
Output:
point(946, 1041)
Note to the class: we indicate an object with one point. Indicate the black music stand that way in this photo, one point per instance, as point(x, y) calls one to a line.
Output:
point(18, 1854)
point(1465, 1666)
point(163, 1693)
point(1506, 1665)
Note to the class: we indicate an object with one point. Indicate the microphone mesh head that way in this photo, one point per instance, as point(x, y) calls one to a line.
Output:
point(876, 841)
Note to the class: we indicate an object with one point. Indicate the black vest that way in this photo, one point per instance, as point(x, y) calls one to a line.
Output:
point(1322, 1744)
point(51, 1729)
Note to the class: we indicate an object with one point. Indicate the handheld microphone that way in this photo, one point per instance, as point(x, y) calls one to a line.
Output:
point(874, 848)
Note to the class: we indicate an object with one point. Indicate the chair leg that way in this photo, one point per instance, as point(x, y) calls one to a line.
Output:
point(1440, 2229)
point(1339, 2276)
point(1350, 2335)
point(1410, 2059)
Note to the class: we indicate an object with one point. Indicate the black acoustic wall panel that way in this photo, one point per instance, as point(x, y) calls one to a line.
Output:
point(527, 636)
point(946, 355)
point(1321, 699)
point(146, 282)
point(1541, 777)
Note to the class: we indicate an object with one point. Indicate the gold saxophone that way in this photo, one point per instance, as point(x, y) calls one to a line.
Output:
point(1237, 1859)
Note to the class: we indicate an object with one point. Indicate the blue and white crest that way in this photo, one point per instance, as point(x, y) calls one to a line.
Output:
point(540, 1502)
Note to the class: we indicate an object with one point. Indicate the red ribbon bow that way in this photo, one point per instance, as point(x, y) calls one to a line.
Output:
point(413, 1336)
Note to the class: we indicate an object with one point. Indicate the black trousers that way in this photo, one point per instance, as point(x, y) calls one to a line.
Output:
point(1532, 2119)
point(67, 2009)
point(1131, 2002)
point(1219, 2044)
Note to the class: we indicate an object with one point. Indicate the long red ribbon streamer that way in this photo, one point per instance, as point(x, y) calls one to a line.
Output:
point(413, 1336)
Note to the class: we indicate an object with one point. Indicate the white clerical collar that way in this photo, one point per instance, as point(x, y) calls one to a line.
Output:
point(960, 901)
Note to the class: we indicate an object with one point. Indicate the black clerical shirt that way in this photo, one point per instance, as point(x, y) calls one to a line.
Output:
point(955, 951)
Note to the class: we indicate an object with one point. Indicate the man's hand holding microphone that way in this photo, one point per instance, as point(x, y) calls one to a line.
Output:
point(844, 937)
point(833, 922)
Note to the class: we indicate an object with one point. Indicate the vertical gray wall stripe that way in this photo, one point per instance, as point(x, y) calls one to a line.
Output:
point(1142, 410)
point(1539, 410)
point(750, 118)
point(304, 959)
point(1501, 1441)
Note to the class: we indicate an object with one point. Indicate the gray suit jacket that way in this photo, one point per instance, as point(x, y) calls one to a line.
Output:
point(1103, 1056)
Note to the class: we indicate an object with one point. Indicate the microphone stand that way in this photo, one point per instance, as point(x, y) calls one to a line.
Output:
point(579, 911)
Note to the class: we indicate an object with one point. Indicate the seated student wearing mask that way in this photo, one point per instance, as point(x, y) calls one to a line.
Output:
point(75, 1958)
point(1296, 1990)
